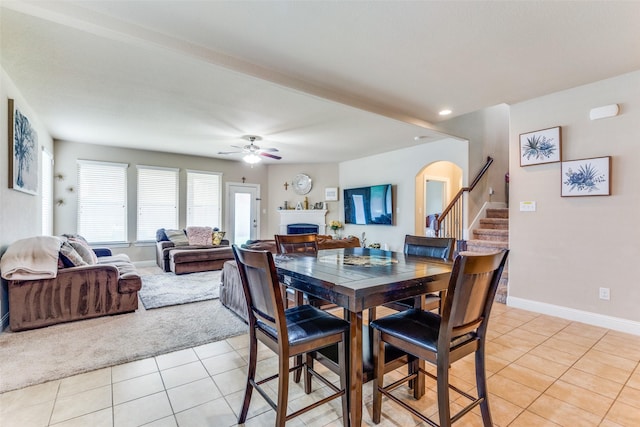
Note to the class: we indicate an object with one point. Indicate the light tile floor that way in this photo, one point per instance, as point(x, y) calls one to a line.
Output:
point(543, 371)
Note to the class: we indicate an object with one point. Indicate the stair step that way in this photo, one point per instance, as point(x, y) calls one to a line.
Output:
point(497, 213)
point(491, 234)
point(476, 245)
point(495, 223)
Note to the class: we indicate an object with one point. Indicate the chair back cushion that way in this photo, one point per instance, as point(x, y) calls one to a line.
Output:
point(297, 243)
point(472, 287)
point(431, 247)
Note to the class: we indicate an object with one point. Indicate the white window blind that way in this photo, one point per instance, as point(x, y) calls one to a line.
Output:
point(157, 200)
point(203, 198)
point(47, 193)
point(102, 201)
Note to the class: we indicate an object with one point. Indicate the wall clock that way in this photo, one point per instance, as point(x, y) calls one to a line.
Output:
point(301, 183)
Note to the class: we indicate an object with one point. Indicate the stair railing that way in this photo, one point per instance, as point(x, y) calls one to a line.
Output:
point(450, 222)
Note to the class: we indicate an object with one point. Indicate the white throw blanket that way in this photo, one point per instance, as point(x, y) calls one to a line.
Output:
point(31, 259)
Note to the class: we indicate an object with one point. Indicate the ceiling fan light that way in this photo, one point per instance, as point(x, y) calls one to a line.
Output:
point(251, 158)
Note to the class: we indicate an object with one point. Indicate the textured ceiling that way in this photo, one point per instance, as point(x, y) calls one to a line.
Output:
point(320, 81)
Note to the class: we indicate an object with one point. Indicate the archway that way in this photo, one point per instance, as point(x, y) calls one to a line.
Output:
point(436, 184)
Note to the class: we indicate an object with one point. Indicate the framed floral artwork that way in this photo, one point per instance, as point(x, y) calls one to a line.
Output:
point(23, 151)
point(586, 177)
point(541, 146)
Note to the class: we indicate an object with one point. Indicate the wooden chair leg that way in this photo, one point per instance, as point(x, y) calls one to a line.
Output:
point(444, 409)
point(378, 380)
point(342, 360)
point(251, 375)
point(283, 390)
point(481, 384)
point(307, 375)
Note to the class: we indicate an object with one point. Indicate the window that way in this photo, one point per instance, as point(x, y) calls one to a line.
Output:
point(47, 193)
point(157, 200)
point(102, 201)
point(203, 198)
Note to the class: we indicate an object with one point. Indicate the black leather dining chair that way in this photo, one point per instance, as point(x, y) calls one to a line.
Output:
point(442, 339)
point(288, 332)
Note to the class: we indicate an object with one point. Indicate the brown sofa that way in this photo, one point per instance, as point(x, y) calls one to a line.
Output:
point(231, 293)
point(84, 292)
point(191, 259)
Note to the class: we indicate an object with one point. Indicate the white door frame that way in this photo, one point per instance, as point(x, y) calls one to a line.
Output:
point(229, 201)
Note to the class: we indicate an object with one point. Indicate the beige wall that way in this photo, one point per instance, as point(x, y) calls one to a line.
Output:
point(322, 175)
point(567, 249)
point(20, 213)
point(67, 154)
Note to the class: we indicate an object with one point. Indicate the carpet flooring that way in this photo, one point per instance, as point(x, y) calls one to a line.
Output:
point(40, 355)
point(164, 289)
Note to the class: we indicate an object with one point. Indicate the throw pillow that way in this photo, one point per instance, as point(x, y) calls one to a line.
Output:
point(199, 236)
point(217, 237)
point(68, 252)
point(161, 236)
point(84, 250)
point(177, 237)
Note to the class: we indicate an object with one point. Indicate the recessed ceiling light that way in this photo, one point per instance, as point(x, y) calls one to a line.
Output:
point(444, 112)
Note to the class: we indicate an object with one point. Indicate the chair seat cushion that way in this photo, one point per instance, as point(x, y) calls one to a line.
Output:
point(418, 327)
point(306, 323)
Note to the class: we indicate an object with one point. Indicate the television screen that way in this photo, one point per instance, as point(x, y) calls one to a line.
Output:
point(368, 205)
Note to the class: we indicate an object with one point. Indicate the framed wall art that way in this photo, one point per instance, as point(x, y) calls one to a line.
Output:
point(23, 151)
point(586, 177)
point(331, 194)
point(541, 146)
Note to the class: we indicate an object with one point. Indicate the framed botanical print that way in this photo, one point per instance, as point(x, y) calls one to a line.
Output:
point(541, 146)
point(586, 177)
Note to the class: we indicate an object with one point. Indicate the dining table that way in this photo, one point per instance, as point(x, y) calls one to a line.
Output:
point(358, 279)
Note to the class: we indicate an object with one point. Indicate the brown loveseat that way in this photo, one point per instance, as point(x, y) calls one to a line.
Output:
point(187, 258)
point(231, 293)
point(110, 286)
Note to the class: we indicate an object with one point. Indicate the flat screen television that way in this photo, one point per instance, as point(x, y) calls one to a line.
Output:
point(369, 205)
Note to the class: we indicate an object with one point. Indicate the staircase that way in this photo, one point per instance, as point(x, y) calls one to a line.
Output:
point(493, 234)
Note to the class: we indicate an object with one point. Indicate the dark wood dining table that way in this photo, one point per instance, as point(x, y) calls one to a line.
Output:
point(358, 279)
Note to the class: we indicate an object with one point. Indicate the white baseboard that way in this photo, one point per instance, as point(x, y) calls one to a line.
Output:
point(595, 319)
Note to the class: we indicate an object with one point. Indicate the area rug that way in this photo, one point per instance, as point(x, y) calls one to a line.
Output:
point(40, 355)
point(161, 290)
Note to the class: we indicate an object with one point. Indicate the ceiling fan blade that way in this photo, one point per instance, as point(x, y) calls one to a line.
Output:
point(273, 150)
point(229, 152)
point(242, 147)
point(270, 155)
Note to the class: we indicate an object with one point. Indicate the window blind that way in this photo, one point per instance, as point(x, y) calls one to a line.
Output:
point(102, 201)
point(203, 198)
point(157, 200)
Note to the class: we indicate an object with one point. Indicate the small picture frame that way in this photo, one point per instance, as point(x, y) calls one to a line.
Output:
point(586, 177)
point(541, 146)
point(331, 194)
point(23, 151)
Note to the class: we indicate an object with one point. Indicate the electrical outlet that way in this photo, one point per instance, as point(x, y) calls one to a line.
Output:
point(491, 192)
point(605, 294)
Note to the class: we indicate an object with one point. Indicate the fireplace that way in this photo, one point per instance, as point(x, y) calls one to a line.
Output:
point(302, 221)
point(302, 228)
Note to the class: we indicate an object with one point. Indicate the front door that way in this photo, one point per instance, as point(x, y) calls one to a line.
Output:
point(243, 207)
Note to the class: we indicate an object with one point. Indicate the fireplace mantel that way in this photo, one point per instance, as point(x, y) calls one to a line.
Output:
point(306, 216)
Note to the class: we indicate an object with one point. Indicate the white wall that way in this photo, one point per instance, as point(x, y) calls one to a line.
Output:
point(399, 168)
point(562, 253)
point(20, 213)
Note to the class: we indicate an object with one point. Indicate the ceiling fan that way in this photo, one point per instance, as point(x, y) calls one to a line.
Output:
point(251, 151)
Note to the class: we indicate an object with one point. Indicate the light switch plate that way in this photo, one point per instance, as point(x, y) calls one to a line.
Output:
point(527, 206)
